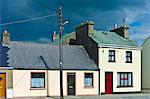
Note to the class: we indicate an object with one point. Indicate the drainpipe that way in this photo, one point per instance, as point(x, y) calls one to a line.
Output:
point(46, 74)
point(47, 83)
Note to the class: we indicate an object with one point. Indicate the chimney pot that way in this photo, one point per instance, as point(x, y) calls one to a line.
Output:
point(5, 38)
point(54, 36)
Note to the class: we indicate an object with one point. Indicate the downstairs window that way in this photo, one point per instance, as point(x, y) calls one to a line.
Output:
point(124, 79)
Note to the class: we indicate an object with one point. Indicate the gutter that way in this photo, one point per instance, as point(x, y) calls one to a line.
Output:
point(119, 46)
point(6, 68)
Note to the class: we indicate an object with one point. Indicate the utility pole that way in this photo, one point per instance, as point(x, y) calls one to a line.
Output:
point(60, 52)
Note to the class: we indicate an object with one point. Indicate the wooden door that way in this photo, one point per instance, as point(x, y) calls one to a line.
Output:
point(71, 83)
point(108, 82)
point(2, 85)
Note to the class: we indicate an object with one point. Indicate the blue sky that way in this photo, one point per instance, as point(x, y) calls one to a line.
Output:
point(104, 13)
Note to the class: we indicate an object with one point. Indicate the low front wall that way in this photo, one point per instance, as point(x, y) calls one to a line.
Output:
point(22, 84)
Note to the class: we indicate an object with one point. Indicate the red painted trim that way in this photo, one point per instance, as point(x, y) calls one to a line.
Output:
point(31, 82)
point(92, 80)
point(88, 87)
point(112, 81)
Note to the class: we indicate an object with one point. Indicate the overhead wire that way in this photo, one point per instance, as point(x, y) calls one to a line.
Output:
point(26, 20)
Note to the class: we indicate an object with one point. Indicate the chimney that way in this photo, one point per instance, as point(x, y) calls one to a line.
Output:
point(115, 26)
point(5, 38)
point(122, 31)
point(83, 30)
point(54, 36)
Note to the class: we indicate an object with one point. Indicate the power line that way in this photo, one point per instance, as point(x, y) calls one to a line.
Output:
point(27, 20)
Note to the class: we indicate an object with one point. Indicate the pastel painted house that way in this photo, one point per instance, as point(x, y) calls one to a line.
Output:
point(118, 58)
point(146, 65)
point(36, 70)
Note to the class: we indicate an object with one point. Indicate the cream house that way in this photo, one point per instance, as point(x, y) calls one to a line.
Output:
point(118, 58)
point(36, 70)
point(146, 65)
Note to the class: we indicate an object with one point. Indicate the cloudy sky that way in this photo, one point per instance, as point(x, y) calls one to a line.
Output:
point(104, 13)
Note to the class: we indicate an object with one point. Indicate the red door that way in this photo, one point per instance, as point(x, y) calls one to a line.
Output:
point(108, 82)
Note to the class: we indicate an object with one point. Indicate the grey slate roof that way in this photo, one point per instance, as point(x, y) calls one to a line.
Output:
point(23, 55)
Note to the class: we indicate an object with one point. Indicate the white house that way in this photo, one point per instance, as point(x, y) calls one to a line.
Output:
point(118, 58)
point(146, 65)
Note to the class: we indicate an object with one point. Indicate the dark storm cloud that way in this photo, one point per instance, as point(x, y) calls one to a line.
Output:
point(103, 12)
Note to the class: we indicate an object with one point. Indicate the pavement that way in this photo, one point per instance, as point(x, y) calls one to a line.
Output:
point(112, 96)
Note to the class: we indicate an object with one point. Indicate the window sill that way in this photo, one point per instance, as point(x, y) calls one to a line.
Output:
point(128, 62)
point(37, 88)
point(112, 61)
point(124, 86)
point(88, 87)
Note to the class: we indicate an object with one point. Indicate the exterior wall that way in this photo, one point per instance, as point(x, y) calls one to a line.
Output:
point(80, 90)
point(120, 66)
point(146, 64)
point(21, 83)
point(9, 84)
point(92, 50)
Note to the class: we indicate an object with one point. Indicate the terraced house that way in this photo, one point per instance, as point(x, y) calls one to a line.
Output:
point(36, 70)
point(118, 58)
point(94, 63)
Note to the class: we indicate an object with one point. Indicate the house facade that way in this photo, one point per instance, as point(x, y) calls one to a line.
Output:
point(118, 58)
point(96, 62)
point(146, 65)
point(73, 83)
point(36, 70)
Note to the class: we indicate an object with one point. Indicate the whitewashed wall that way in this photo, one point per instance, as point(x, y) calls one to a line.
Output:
point(21, 83)
point(120, 66)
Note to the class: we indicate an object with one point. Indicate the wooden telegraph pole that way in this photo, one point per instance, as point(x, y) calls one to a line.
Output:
point(60, 52)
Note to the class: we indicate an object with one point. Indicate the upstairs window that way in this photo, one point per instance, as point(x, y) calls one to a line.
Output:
point(128, 57)
point(124, 79)
point(88, 80)
point(111, 55)
point(37, 80)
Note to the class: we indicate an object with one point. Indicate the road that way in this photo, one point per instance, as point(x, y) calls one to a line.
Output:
point(113, 96)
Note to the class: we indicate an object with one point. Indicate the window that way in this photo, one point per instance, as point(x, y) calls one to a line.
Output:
point(37, 80)
point(88, 80)
point(124, 79)
point(111, 55)
point(128, 57)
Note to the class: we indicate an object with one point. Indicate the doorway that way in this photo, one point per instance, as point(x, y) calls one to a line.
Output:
point(71, 83)
point(108, 82)
point(2, 85)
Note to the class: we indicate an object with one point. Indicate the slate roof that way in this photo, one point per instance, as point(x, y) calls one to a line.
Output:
point(23, 55)
point(110, 38)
